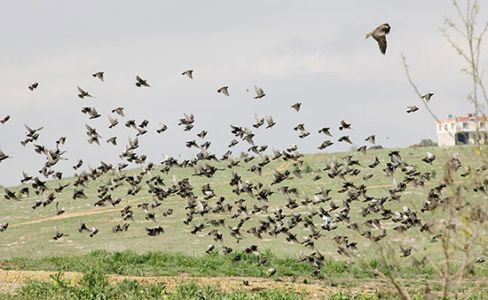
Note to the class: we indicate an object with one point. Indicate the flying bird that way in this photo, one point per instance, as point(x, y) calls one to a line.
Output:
point(371, 139)
point(5, 119)
point(326, 131)
point(427, 97)
point(119, 111)
point(98, 75)
point(345, 139)
point(296, 106)
point(379, 34)
point(33, 86)
point(224, 90)
point(344, 125)
point(259, 92)
point(412, 108)
point(141, 82)
point(82, 93)
point(188, 73)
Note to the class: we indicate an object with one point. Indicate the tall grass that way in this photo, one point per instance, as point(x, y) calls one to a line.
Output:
point(160, 263)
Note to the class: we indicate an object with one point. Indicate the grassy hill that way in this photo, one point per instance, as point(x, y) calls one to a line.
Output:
point(30, 231)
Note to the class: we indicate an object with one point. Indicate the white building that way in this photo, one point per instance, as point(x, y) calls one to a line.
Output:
point(461, 130)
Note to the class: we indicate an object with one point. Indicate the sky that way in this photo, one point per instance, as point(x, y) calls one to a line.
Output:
point(312, 52)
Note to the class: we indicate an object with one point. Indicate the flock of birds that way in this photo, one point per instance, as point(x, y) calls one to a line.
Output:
point(210, 213)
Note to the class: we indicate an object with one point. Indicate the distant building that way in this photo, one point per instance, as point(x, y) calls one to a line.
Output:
point(461, 130)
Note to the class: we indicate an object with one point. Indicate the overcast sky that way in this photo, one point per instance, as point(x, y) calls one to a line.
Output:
point(308, 51)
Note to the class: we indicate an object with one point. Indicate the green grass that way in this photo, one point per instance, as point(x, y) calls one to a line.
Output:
point(27, 237)
point(96, 286)
point(170, 264)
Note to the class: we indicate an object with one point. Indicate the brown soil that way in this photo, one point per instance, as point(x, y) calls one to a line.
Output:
point(11, 280)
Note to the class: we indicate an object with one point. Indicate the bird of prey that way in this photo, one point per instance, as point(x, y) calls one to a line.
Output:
point(427, 97)
point(296, 106)
point(98, 75)
point(379, 34)
point(259, 92)
point(82, 93)
point(33, 86)
point(188, 73)
point(141, 82)
point(224, 90)
point(412, 109)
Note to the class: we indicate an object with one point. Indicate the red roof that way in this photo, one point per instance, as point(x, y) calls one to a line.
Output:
point(465, 118)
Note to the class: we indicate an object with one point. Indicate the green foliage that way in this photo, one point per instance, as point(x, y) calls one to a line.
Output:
point(158, 263)
point(94, 285)
point(426, 143)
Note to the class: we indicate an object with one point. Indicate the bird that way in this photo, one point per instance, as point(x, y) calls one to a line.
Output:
point(325, 144)
point(379, 34)
point(210, 248)
point(162, 128)
point(345, 139)
point(5, 119)
point(412, 109)
point(154, 231)
point(271, 272)
point(297, 106)
point(259, 92)
point(92, 231)
point(113, 121)
point(427, 97)
point(119, 111)
point(371, 139)
point(224, 90)
point(33, 86)
point(429, 158)
point(3, 156)
point(93, 113)
point(405, 251)
point(344, 125)
point(326, 131)
point(141, 82)
point(188, 73)
point(269, 120)
point(59, 211)
point(98, 75)
point(58, 234)
point(112, 140)
point(82, 93)
point(3, 227)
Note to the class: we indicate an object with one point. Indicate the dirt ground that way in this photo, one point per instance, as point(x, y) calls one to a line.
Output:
point(11, 280)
